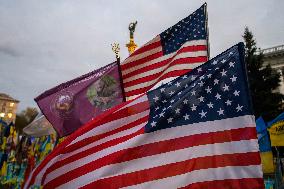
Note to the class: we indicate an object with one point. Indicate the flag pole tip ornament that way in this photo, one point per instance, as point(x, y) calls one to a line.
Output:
point(116, 49)
point(195, 131)
point(170, 54)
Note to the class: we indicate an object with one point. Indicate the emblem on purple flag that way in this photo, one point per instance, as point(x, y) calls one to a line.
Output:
point(74, 103)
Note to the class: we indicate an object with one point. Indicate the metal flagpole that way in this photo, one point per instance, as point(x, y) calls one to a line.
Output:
point(116, 49)
point(207, 31)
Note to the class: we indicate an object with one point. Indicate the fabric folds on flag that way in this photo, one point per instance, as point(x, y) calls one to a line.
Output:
point(276, 130)
point(194, 132)
point(267, 162)
point(262, 135)
point(264, 146)
point(172, 53)
point(72, 104)
point(39, 127)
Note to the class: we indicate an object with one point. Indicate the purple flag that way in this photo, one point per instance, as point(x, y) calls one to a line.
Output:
point(72, 104)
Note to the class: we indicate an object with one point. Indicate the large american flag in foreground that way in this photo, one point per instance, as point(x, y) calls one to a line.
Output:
point(174, 52)
point(197, 131)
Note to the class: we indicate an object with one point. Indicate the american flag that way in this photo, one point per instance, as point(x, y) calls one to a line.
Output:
point(197, 131)
point(174, 52)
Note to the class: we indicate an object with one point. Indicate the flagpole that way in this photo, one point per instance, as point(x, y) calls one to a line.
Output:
point(116, 49)
point(207, 30)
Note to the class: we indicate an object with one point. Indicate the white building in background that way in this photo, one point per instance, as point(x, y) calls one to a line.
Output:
point(275, 57)
point(8, 108)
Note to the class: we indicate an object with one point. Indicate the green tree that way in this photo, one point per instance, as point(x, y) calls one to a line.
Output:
point(25, 117)
point(263, 81)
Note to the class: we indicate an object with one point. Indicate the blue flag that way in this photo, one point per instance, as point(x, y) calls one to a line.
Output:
point(262, 135)
point(260, 125)
point(280, 117)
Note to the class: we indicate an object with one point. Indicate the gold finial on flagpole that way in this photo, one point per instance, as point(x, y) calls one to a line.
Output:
point(116, 49)
point(131, 45)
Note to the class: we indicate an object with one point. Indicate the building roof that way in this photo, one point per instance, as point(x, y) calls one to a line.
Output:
point(275, 49)
point(4, 96)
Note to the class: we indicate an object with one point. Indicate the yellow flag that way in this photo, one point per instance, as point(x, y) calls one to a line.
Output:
point(267, 162)
point(4, 169)
point(276, 132)
point(3, 147)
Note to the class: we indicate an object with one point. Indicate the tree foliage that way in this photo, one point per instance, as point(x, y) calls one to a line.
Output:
point(25, 117)
point(263, 81)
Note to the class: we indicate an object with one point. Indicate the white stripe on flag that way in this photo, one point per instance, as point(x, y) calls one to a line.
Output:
point(220, 173)
point(110, 126)
point(143, 55)
point(103, 140)
point(162, 82)
point(170, 69)
point(159, 69)
point(90, 133)
point(163, 159)
point(161, 135)
point(138, 56)
point(165, 57)
point(43, 170)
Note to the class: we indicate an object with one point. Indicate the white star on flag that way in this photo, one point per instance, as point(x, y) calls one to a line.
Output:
point(228, 102)
point(226, 87)
point(216, 81)
point(236, 93)
point(218, 96)
point(203, 114)
point(193, 108)
point(234, 78)
point(223, 73)
point(220, 111)
point(210, 105)
point(170, 120)
point(239, 108)
point(186, 117)
point(231, 64)
point(153, 124)
point(156, 98)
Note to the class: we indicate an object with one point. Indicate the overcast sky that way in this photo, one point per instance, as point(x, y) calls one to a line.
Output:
point(45, 43)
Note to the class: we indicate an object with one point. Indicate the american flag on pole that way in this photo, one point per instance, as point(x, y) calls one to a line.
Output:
point(174, 52)
point(197, 131)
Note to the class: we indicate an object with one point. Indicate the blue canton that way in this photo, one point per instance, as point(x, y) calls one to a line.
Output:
point(215, 90)
point(190, 28)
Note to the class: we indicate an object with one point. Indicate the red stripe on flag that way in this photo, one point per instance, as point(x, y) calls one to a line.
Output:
point(134, 178)
point(96, 149)
point(94, 139)
point(120, 114)
point(189, 60)
point(158, 64)
point(193, 48)
point(68, 140)
point(147, 68)
point(244, 183)
point(141, 61)
point(175, 73)
point(146, 48)
point(125, 112)
point(152, 149)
